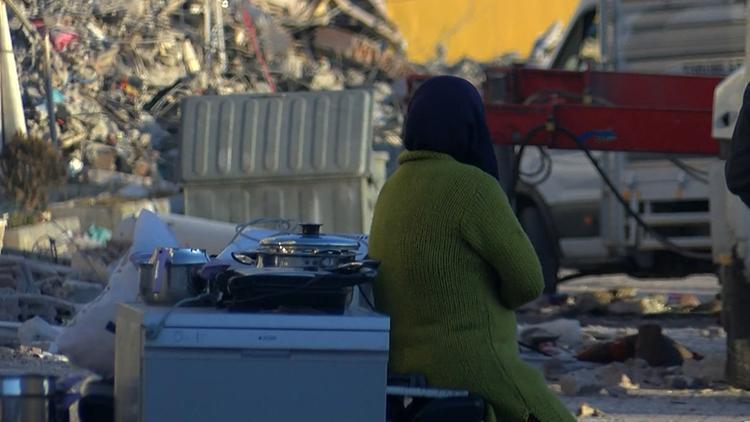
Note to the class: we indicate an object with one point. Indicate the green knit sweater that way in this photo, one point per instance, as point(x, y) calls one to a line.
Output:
point(454, 264)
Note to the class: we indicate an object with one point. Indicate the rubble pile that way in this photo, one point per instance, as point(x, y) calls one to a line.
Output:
point(120, 68)
point(623, 343)
point(623, 301)
point(619, 378)
point(33, 290)
point(34, 360)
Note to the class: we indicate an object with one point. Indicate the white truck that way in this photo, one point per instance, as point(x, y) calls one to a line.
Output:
point(570, 216)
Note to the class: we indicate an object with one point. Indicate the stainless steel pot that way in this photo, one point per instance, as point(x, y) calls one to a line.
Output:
point(171, 274)
point(26, 398)
point(308, 250)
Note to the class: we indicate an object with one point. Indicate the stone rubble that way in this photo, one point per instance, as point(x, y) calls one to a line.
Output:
point(39, 295)
point(120, 68)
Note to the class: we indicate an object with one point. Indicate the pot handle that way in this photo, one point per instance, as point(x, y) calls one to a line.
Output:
point(243, 257)
point(160, 269)
point(367, 265)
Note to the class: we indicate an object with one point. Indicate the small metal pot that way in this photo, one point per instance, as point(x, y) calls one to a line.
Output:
point(27, 398)
point(171, 274)
point(308, 250)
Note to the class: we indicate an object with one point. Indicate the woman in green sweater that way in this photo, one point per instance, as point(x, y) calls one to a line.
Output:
point(455, 262)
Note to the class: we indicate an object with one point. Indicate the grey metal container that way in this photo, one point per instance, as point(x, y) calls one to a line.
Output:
point(305, 156)
point(26, 398)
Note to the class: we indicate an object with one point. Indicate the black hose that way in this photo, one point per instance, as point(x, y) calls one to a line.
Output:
point(658, 236)
point(517, 161)
point(691, 171)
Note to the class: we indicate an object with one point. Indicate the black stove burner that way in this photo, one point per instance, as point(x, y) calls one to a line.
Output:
point(263, 291)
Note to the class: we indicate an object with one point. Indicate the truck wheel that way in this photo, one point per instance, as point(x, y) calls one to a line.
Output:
point(533, 224)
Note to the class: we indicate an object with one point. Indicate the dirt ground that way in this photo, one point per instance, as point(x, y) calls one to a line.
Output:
point(718, 403)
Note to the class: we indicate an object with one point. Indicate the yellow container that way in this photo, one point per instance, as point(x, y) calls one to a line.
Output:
point(477, 29)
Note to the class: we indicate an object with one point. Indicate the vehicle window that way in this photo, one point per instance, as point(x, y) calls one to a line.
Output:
point(581, 48)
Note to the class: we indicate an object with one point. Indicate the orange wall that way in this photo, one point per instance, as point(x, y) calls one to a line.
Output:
point(477, 29)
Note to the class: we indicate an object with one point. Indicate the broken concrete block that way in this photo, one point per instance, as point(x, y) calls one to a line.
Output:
point(613, 391)
point(8, 334)
point(553, 369)
point(25, 238)
point(681, 382)
point(622, 293)
point(645, 306)
point(90, 267)
point(52, 287)
point(636, 364)
point(587, 411)
point(142, 168)
point(614, 379)
point(10, 309)
point(102, 157)
point(712, 307)
point(687, 301)
point(107, 214)
point(564, 332)
point(616, 374)
point(41, 310)
point(190, 57)
point(709, 370)
point(581, 382)
point(80, 291)
point(596, 301)
point(627, 383)
point(713, 332)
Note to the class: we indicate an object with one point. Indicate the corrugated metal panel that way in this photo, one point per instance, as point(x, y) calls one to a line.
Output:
point(260, 137)
point(680, 36)
point(341, 205)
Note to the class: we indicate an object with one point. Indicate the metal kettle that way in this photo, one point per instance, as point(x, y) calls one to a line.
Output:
point(172, 274)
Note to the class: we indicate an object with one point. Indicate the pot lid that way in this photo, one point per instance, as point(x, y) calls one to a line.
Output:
point(180, 256)
point(309, 238)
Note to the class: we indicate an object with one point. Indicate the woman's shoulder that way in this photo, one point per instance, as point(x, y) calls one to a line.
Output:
point(477, 179)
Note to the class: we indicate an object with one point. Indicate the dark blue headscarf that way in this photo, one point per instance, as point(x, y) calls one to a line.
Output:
point(446, 115)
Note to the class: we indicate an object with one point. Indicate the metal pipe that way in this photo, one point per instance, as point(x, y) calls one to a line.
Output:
point(220, 38)
point(12, 107)
point(50, 97)
point(22, 18)
point(207, 53)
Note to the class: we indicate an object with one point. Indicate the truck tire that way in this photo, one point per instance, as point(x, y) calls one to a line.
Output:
point(544, 244)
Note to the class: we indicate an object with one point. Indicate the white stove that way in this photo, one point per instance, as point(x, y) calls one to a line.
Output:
point(208, 364)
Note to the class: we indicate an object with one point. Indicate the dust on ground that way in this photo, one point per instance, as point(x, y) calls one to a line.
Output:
point(715, 402)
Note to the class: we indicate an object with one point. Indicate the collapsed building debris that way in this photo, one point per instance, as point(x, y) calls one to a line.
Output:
point(37, 289)
point(119, 69)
